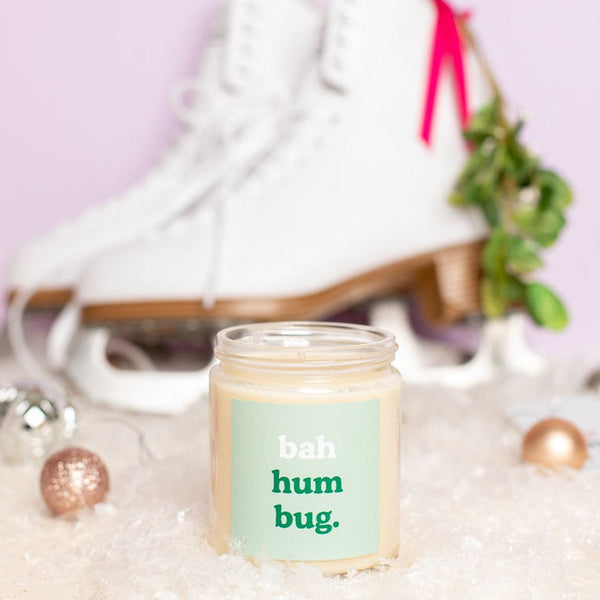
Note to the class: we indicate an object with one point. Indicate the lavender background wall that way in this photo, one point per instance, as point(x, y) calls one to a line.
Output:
point(83, 112)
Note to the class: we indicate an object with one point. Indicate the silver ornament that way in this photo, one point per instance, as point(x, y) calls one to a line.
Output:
point(8, 394)
point(36, 423)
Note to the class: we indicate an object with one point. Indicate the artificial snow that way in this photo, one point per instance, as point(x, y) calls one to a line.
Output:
point(476, 522)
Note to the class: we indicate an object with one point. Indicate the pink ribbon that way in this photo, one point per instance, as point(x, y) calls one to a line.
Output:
point(447, 46)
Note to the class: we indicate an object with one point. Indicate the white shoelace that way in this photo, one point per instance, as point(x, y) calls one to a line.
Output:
point(266, 111)
point(18, 340)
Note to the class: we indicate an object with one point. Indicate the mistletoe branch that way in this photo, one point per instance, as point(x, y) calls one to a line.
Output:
point(522, 202)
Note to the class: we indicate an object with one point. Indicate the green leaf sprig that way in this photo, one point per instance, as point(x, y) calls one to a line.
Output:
point(524, 204)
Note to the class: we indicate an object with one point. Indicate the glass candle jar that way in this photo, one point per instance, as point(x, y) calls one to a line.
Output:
point(305, 444)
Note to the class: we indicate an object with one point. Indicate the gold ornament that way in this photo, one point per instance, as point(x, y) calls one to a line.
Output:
point(72, 479)
point(555, 443)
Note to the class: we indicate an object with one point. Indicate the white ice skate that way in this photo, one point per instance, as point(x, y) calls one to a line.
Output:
point(258, 54)
point(349, 207)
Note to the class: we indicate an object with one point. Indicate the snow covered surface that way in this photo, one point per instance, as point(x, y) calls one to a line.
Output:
point(476, 522)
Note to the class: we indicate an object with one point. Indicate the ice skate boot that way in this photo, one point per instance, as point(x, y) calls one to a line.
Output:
point(349, 207)
point(257, 55)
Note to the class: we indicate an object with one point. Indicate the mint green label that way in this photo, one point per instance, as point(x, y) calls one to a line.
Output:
point(305, 479)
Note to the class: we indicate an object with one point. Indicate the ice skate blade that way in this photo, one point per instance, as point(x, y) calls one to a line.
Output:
point(413, 353)
point(503, 351)
point(45, 298)
point(473, 373)
point(446, 283)
point(156, 392)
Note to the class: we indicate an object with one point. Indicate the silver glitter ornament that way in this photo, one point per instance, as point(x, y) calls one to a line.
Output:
point(35, 424)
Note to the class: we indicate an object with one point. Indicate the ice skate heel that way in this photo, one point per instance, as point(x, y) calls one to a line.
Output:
point(448, 288)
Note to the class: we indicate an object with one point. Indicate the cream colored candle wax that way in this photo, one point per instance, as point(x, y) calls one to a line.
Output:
point(305, 434)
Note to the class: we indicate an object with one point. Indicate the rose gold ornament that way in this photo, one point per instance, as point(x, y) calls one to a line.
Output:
point(555, 443)
point(72, 479)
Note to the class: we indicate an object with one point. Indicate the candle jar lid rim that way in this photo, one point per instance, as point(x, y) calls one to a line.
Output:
point(302, 344)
